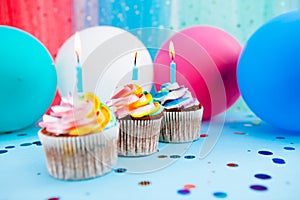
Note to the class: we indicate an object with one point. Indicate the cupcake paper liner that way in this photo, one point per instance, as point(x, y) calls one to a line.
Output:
point(80, 157)
point(181, 126)
point(138, 137)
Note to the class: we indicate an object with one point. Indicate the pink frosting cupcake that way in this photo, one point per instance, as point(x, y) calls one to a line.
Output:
point(79, 138)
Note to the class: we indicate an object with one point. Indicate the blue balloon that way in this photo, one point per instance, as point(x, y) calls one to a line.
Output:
point(269, 72)
point(27, 79)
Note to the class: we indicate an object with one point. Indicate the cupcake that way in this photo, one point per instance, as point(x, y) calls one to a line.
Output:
point(182, 114)
point(139, 119)
point(79, 138)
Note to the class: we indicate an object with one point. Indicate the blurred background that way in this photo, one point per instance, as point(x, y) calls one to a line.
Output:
point(54, 21)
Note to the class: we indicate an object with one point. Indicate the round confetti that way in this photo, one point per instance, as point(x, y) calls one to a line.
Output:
point(25, 144)
point(162, 156)
point(239, 133)
point(220, 194)
point(289, 148)
point(120, 170)
point(232, 165)
point(22, 134)
point(256, 123)
point(203, 135)
point(174, 156)
point(258, 187)
point(189, 186)
point(37, 143)
point(3, 151)
point(144, 183)
point(278, 161)
point(266, 153)
point(262, 176)
point(9, 147)
point(189, 157)
point(184, 191)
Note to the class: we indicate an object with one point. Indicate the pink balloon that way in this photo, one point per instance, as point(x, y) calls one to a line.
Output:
point(206, 62)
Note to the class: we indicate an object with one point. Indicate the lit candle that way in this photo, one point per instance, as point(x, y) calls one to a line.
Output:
point(135, 70)
point(172, 64)
point(77, 48)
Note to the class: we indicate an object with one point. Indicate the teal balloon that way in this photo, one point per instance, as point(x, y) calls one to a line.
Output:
point(269, 72)
point(27, 79)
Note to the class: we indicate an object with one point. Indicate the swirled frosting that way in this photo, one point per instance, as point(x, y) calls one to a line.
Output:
point(78, 116)
point(132, 101)
point(171, 95)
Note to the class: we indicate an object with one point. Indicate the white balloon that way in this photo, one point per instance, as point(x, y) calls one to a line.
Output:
point(107, 59)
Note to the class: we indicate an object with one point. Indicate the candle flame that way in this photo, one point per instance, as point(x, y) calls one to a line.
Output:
point(135, 56)
point(171, 50)
point(77, 46)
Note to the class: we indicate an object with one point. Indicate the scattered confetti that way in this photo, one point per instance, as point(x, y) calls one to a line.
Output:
point(203, 135)
point(232, 165)
point(189, 186)
point(189, 157)
point(266, 153)
point(9, 147)
point(3, 151)
point(37, 143)
point(53, 198)
point(258, 187)
point(22, 134)
point(144, 183)
point(256, 123)
point(239, 133)
point(175, 156)
point(220, 194)
point(183, 192)
point(289, 148)
point(120, 170)
point(25, 144)
point(262, 176)
point(278, 161)
point(162, 156)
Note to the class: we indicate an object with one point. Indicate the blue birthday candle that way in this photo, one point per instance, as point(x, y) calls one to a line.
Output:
point(172, 64)
point(78, 66)
point(135, 70)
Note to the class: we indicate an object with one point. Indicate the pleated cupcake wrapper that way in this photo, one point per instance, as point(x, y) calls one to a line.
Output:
point(138, 137)
point(181, 126)
point(81, 157)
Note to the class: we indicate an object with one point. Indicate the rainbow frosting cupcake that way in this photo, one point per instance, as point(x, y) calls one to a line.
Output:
point(79, 138)
point(140, 120)
point(182, 115)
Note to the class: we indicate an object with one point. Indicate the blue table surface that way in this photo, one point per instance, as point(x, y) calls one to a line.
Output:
point(251, 160)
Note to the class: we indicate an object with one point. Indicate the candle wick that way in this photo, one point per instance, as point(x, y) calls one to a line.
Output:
point(135, 57)
point(77, 57)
